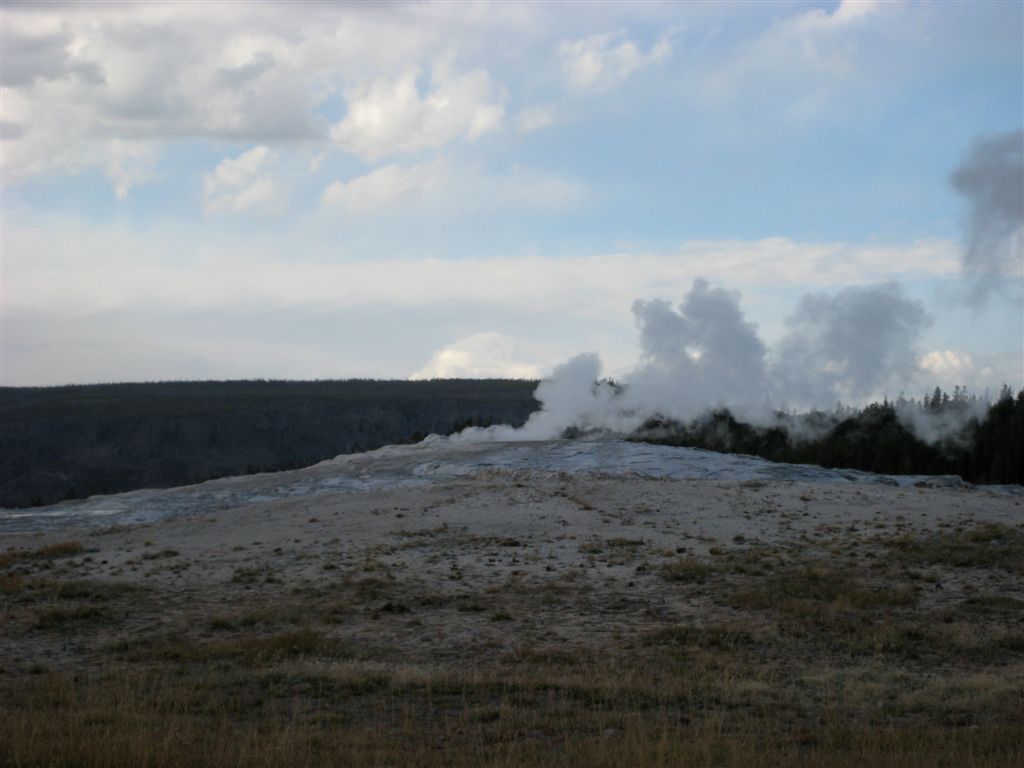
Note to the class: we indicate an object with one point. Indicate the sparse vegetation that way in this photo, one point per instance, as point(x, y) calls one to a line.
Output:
point(686, 569)
point(985, 546)
point(47, 552)
point(823, 650)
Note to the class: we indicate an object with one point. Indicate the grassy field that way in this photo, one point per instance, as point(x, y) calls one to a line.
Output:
point(855, 658)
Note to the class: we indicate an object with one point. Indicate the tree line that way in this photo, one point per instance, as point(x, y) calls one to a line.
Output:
point(981, 442)
point(70, 442)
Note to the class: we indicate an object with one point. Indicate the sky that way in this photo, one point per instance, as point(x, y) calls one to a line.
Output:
point(314, 190)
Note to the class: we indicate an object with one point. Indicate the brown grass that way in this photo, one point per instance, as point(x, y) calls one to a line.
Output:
point(783, 658)
point(686, 569)
point(47, 552)
point(367, 715)
point(987, 545)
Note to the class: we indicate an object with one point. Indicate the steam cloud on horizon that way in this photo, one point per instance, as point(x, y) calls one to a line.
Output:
point(704, 355)
point(854, 344)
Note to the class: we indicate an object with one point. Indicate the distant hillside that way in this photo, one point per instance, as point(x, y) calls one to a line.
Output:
point(76, 441)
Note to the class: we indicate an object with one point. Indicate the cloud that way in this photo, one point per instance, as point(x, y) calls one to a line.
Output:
point(607, 60)
point(991, 178)
point(78, 76)
point(799, 67)
point(385, 187)
point(480, 355)
point(390, 115)
point(977, 370)
point(534, 119)
point(74, 282)
point(947, 364)
point(846, 13)
point(240, 185)
point(444, 189)
point(39, 47)
point(73, 267)
point(128, 164)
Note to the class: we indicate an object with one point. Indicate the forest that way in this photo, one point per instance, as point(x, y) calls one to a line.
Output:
point(69, 442)
point(980, 442)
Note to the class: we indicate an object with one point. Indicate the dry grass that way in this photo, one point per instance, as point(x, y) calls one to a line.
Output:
point(686, 569)
point(307, 714)
point(48, 552)
point(988, 545)
point(780, 658)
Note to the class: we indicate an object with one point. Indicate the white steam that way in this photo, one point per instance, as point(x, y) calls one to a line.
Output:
point(851, 346)
point(703, 354)
point(856, 344)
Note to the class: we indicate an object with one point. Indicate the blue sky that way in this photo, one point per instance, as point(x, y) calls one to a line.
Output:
point(314, 190)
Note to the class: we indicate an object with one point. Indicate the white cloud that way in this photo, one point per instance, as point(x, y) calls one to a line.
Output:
point(443, 189)
point(390, 115)
point(241, 185)
point(948, 368)
point(606, 60)
point(538, 190)
point(128, 164)
point(385, 187)
point(481, 355)
point(847, 12)
point(535, 119)
point(947, 363)
point(70, 267)
point(70, 283)
point(80, 75)
point(796, 69)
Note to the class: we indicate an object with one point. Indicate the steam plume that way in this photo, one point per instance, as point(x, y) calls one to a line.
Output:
point(991, 177)
point(848, 346)
point(704, 354)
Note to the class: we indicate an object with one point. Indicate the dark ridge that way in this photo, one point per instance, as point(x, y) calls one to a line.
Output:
point(873, 439)
point(75, 441)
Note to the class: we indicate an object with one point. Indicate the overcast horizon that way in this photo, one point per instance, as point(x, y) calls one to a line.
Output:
point(308, 190)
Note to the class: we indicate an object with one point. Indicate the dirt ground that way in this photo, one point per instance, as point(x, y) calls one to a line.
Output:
point(587, 609)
